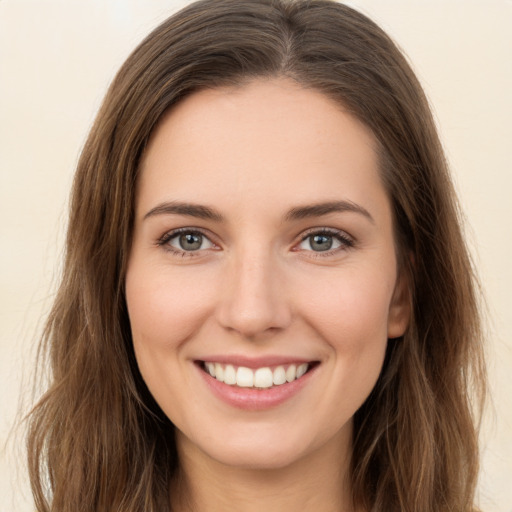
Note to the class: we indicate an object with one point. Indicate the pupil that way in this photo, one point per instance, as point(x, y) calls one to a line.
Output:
point(321, 242)
point(191, 241)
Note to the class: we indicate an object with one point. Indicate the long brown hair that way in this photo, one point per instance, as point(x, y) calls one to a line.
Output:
point(97, 440)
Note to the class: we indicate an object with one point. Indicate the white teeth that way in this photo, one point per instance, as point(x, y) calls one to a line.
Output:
point(301, 370)
point(279, 376)
point(230, 375)
point(291, 373)
point(244, 377)
point(263, 378)
point(260, 378)
point(219, 372)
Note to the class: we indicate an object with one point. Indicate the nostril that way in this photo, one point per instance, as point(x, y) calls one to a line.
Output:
point(252, 320)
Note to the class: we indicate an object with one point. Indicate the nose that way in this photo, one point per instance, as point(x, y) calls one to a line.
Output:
point(254, 301)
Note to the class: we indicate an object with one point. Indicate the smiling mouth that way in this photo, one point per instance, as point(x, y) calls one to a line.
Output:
point(258, 378)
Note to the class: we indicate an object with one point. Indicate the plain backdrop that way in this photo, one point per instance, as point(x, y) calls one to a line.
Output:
point(58, 57)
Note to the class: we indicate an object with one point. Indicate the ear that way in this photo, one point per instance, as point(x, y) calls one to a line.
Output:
point(400, 307)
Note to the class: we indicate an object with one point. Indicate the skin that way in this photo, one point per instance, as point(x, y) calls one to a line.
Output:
point(257, 287)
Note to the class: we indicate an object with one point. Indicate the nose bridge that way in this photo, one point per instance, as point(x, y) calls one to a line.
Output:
point(254, 294)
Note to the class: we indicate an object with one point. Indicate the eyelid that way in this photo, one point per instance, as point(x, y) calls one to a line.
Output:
point(164, 240)
point(347, 241)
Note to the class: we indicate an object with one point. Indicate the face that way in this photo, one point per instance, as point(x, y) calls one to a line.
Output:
point(262, 282)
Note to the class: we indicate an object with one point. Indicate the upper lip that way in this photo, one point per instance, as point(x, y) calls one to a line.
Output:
point(255, 362)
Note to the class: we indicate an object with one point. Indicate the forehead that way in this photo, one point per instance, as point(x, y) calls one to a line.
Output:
point(268, 138)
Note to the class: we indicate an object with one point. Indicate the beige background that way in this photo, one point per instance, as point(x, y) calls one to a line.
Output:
point(56, 60)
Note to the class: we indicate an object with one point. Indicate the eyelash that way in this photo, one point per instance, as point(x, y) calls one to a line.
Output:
point(164, 240)
point(345, 241)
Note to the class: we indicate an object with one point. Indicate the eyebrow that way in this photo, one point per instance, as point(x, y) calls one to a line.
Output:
point(319, 209)
point(300, 212)
point(189, 209)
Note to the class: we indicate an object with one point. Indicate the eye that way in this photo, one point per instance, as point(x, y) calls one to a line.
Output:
point(325, 241)
point(183, 241)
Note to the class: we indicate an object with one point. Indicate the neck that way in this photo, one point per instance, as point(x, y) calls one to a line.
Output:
point(319, 481)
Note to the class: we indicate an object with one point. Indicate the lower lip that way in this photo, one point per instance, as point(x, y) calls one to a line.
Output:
point(255, 399)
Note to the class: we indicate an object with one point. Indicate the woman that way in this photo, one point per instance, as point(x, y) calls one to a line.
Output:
point(267, 302)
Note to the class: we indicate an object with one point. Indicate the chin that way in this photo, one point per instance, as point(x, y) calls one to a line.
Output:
point(271, 448)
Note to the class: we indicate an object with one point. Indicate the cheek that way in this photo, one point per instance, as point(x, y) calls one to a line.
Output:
point(349, 307)
point(350, 314)
point(165, 307)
